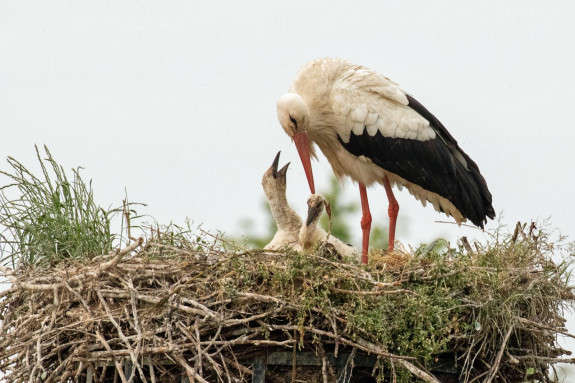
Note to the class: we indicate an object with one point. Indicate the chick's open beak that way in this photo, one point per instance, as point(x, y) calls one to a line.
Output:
point(274, 166)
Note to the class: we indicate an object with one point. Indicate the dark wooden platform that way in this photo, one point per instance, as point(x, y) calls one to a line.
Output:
point(355, 367)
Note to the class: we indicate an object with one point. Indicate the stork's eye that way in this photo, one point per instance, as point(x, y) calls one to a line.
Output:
point(294, 122)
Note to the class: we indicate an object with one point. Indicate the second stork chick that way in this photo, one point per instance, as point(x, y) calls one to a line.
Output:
point(292, 231)
point(310, 234)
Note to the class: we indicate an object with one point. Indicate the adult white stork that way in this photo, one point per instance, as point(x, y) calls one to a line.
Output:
point(372, 131)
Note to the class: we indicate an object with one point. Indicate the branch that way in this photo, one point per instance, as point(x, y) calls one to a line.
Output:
point(359, 344)
point(418, 372)
point(112, 262)
point(51, 286)
point(377, 292)
point(192, 374)
point(495, 366)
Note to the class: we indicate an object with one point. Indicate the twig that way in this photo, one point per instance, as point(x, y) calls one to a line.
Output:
point(133, 356)
point(119, 367)
point(377, 292)
point(54, 375)
point(198, 347)
point(112, 262)
point(225, 368)
point(359, 343)
point(238, 366)
point(542, 326)
point(324, 369)
point(467, 246)
point(495, 367)
point(544, 359)
point(50, 286)
point(201, 353)
point(152, 372)
point(116, 293)
point(139, 339)
point(393, 373)
point(192, 374)
point(293, 360)
point(516, 232)
point(418, 372)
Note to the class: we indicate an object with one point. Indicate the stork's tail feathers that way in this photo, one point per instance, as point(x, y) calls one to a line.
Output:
point(473, 198)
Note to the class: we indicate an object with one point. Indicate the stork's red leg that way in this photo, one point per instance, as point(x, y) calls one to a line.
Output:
point(365, 222)
point(392, 210)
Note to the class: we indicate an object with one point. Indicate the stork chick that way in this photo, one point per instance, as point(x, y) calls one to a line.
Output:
point(288, 222)
point(310, 234)
point(292, 233)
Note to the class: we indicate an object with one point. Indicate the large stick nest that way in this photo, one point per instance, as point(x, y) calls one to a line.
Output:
point(188, 307)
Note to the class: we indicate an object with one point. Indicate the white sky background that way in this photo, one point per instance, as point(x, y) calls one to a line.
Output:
point(175, 101)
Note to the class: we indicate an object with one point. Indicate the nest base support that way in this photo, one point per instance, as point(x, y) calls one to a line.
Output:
point(344, 364)
point(259, 375)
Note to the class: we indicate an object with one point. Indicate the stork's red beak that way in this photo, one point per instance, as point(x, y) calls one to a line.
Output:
point(302, 145)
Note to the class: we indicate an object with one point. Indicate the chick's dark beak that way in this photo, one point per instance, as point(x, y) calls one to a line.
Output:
point(312, 214)
point(274, 166)
point(282, 171)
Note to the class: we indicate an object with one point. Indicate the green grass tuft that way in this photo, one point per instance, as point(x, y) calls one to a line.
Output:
point(50, 217)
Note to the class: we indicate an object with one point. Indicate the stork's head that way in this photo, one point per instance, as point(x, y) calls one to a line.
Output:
point(294, 116)
point(309, 235)
point(316, 204)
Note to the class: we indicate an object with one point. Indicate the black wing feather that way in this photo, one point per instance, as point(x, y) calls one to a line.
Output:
point(432, 164)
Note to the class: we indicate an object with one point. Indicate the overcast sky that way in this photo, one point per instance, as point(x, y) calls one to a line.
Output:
point(175, 100)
